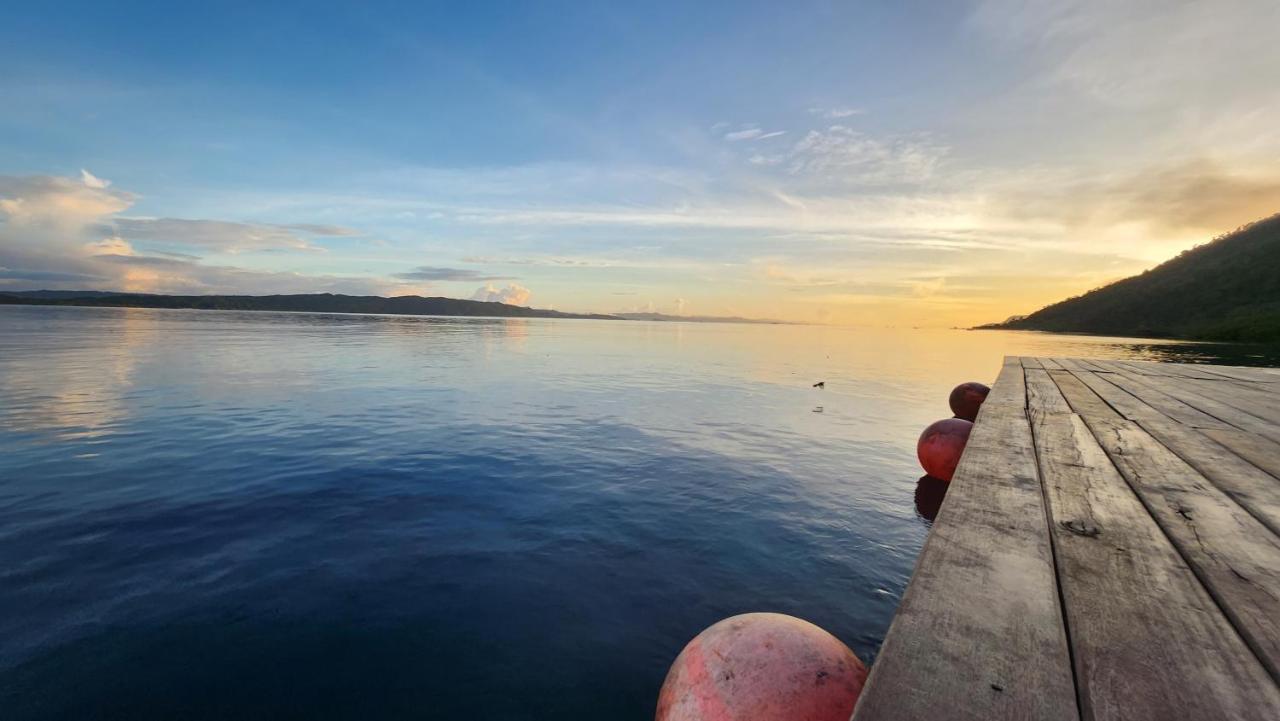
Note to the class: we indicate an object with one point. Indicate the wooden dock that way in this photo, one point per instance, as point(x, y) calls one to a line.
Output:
point(1108, 549)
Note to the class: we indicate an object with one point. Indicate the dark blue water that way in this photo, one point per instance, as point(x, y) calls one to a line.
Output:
point(257, 515)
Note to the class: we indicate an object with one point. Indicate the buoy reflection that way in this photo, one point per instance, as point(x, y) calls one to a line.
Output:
point(929, 494)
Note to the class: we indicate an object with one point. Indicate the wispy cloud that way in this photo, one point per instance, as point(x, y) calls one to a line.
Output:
point(336, 231)
point(429, 273)
point(752, 134)
point(836, 113)
point(547, 261)
point(221, 235)
point(46, 276)
point(861, 157)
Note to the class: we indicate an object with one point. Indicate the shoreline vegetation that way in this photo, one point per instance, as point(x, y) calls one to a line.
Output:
point(1225, 290)
point(332, 303)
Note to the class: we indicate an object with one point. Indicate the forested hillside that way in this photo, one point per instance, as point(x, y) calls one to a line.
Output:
point(1227, 289)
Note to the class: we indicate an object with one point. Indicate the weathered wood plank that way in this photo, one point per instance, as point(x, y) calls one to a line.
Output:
point(1168, 370)
point(1092, 365)
point(1259, 451)
point(1050, 364)
point(1147, 639)
point(1029, 362)
point(1256, 400)
point(1243, 373)
point(1005, 392)
point(979, 632)
point(1234, 555)
point(1043, 394)
point(1071, 364)
point(1145, 387)
point(1255, 490)
point(1180, 394)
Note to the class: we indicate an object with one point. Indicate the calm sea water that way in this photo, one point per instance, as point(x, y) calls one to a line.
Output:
point(264, 515)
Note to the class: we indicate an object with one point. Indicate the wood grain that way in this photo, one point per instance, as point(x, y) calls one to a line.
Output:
point(1255, 490)
point(979, 632)
point(1233, 554)
point(1148, 640)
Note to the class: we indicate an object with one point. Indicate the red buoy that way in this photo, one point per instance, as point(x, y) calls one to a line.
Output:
point(762, 667)
point(940, 446)
point(966, 399)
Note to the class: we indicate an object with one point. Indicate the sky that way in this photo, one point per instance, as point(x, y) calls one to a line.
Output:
point(869, 163)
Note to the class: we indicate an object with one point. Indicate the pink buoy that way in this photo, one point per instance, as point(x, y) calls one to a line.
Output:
point(762, 667)
point(966, 399)
point(941, 445)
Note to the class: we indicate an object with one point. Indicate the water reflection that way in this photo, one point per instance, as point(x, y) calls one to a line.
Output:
point(448, 496)
point(929, 494)
point(78, 396)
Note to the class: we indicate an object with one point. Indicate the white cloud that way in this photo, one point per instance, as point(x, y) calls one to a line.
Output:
point(747, 134)
point(115, 245)
point(221, 235)
point(752, 134)
point(91, 181)
point(512, 294)
point(837, 113)
point(859, 157)
point(66, 233)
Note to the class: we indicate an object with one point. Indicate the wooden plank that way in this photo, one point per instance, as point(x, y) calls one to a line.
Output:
point(1144, 387)
point(1050, 364)
point(1120, 366)
point(1253, 489)
point(1148, 641)
point(1028, 362)
point(1238, 375)
point(1071, 364)
point(1091, 364)
point(1168, 370)
point(1231, 552)
point(1256, 401)
point(979, 632)
point(1042, 393)
point(1243, 373)
point(1259, 451)
point(1180, 394)
point(1007, 392)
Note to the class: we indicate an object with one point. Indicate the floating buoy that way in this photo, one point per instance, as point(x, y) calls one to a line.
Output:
point(966, 399)
point(940, 446)
point(762, 666)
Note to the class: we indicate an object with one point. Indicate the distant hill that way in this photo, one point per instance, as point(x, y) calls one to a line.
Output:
point(1227, 289)
point(315, 302)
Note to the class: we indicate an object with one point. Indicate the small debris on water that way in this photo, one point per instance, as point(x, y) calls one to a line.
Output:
point(820, 384)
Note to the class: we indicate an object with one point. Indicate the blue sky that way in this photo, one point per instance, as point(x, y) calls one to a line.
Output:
point(861, 162)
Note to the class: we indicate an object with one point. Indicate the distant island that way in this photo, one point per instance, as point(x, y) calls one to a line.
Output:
point(1225, 290)
point(328, 303)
